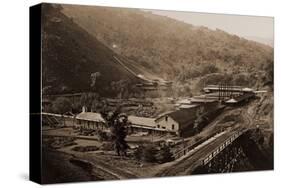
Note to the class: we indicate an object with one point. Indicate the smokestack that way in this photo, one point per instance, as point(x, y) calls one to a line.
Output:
point(84, 109)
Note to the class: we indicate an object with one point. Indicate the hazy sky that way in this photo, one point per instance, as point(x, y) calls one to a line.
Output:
point(244, 26)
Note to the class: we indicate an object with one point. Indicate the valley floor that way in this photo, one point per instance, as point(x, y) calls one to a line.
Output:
point(60, 152)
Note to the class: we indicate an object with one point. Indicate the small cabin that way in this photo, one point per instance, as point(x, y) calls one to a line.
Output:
point(90, 121)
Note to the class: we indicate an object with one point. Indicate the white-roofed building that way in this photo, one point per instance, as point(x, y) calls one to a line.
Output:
point(94, 121)
point(231, 101)
point(144, 124)
point(90, 120)
point(186, 106)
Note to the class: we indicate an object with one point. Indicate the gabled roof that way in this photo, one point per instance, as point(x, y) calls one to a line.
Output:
point(163, 114)
point(188, 115)
point(201, 100)
point(142, 121)
point(182, 116)
point(186, 106)
point(240, 98)
point(231, 101)
point(90, 116)
point(246, 89)
point(184, 101)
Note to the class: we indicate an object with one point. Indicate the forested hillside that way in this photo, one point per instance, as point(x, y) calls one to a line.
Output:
point(173, 49)
point(81, 40)
point(71, 55)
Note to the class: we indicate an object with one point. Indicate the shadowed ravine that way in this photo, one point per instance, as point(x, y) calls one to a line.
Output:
point(243, 155)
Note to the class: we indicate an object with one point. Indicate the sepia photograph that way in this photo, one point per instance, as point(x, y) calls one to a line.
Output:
point(132, 93)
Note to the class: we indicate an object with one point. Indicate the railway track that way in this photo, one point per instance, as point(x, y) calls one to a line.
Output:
point(188, 164)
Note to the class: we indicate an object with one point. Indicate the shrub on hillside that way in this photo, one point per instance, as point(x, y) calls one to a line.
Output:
point(146, 153)
point(107, 146)
point(165, 155)
point(102, 136)
point(61, 105)
point(149, 154)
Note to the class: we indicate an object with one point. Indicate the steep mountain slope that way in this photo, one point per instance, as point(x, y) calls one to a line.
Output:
point(80, 40)
point(70, 55)
point(169, 47)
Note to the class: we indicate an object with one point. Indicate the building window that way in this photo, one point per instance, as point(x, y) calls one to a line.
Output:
point(166, 118)
point(173, 126)
point(158, 126)
point(163, 127)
